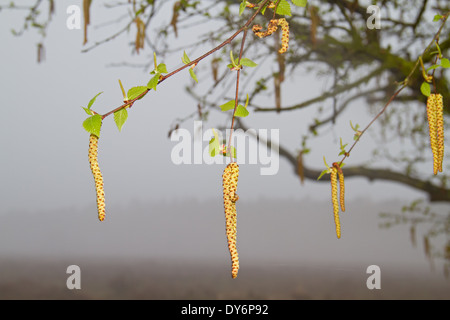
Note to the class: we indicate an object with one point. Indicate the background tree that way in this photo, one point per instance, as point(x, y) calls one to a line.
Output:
point(357, 68)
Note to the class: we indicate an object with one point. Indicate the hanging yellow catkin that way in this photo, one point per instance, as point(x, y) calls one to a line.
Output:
point(341, 186)
point(335, 201)
point(440, 128)
point(432, 126)
point(93, 151)
point(285, 35)
point(230, 179)
point(271, 28)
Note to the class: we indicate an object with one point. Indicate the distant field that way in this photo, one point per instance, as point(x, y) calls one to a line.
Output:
point(287, 250)
point(32, 279)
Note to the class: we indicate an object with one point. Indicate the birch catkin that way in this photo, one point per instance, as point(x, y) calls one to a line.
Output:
point(335, 201)
point(93, 151)
point(230, 179)
point(285, 35)
point(341, 188)
point(440, 129)
point(271, 28)
point(435, 109)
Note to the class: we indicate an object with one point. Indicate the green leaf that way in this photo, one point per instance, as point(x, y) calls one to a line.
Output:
point(193, 75)
point(228, 106)
point(241, 111)
point(185, 58)
point(322, 173)
point(437, 18)
point(93, 100)
point(214, 145)
point(88, 111)
point(120, 117)
point(425, 89)
point(434, 66)
point(300, 3)
point(232, 58)
point(242, 7)
point(93, 124)
point(135, 92)
point(263, 9)
point(355, 128)
point(445, 63)
point(284, 8)
point(161, 68)
point(248, 63)
point(153, 82)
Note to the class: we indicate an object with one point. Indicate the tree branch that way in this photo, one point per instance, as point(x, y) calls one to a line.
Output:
point(435, 193)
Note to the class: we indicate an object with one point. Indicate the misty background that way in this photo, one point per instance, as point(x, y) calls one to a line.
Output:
point(164, 223)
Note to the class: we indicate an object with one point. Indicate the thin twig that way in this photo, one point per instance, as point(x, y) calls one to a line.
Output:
point(194, 62)
point(405, 84)
point(237, 93)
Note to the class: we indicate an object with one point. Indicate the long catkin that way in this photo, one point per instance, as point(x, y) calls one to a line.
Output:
point(341, 189)
point(98, 178)
point(440, 129)
point(230, 179)
point(436, 127)
point(335, 201)
point(285, 35)
point(271, 28)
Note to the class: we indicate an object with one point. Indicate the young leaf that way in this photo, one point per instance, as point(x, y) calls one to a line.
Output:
point(284, 8)
point(322, 173)
point(241, 111)
point(228, 106)
point(300, 3)
point(445, 63)
point(248, 63)
point(120, 117)
point(93, 100)
point(425, 89)
point(161, 68)
point(93, 124)
point(355, 128)
point(242, 7)
point(214, 146)
point(88, 111)
point(193, 75)
point(246, 102)
point(326, 164)
point(153, 82)
point(185, 58)
point(232, 58)
point(437, 18)
point(123, 90)
point(434, 66)
point(135, 92)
